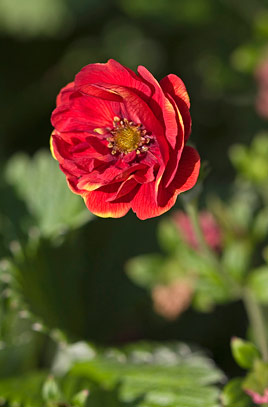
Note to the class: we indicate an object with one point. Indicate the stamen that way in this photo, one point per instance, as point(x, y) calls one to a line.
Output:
point(126, 136)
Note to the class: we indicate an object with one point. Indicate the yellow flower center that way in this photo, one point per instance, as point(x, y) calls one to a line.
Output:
point(127, 139)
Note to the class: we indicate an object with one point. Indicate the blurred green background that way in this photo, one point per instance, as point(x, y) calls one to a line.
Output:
point(70, 273)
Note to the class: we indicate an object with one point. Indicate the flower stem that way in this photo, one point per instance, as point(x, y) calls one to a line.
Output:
point(192, 212)
point(257, 322)
point(253, 309)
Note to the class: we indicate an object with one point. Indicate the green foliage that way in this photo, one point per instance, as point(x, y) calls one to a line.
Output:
point(168, 236)
point(141, 375)
point(244, 352)
point(233, 394)
point(258, 284)
point(151, 374)
point(50, 391)
point(40, 185)
point(257, 379)
point(236, 259)
point(251, 162)
point(37, 390)
point(145, 270)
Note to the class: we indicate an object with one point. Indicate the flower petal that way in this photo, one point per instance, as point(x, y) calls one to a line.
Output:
point(111, 72)
point(97, 203)
point(185, 178)
point(84, 113)
point(175, 87)
point(65, 93)
point(145, 205)
point(162, 106)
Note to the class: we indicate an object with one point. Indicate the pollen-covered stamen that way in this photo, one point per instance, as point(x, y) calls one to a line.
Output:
point(126, 137)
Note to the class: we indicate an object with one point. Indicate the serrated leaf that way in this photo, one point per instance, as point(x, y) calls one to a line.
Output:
point(25, 390)
point(156, 375)
point(42, 186)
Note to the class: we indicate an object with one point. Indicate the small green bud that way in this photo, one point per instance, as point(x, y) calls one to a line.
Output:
point(50, 390)
point(80, 398)
point(244, 352)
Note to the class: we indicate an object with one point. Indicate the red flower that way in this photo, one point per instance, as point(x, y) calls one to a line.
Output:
point(120, 140)
point(209, 227)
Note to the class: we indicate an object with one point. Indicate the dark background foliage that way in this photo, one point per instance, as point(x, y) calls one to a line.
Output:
point(80, 286)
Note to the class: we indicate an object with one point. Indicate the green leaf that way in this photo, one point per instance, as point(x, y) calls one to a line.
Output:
point(32, 389)
point(257, 379)
point(244, 352)
point(233, 395)
point(79, 400)
point(236, 259)
point(25, 390)
point(168, 235)
point(260, 226)
point(42, 186)
point(258, 284)
point(155, 375)
point(145, 270)
point(50, 390)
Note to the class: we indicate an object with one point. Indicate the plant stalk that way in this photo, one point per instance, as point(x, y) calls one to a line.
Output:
point(257, 322)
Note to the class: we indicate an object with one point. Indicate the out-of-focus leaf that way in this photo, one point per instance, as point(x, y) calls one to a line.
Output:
point(258, 284)
point(33, 389)
point(156, 375)
point(257, 379)
point(211, 288)
point(251, 162)
point(24, 390)
point(236, 257)
point(42, 186)
point(33, 18)
point(168, 235)
point(50, 390)
point(234, 396)
point(260, 226)
point(145, 270)
point(244, 352)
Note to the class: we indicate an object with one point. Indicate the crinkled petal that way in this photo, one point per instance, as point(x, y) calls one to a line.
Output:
point(111, 72)
point(175, 87)
point(98, 203)
point(163, 107)
point(65, 93)
point(84, 113)
point(145, 205)
point(185, 178)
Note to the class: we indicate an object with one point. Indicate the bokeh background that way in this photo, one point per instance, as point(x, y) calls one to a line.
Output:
point(71, 273)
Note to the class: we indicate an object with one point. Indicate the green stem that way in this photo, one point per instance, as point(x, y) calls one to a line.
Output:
point(253, 309)
point(193, 215)
point(257, 322)
point(192, 212)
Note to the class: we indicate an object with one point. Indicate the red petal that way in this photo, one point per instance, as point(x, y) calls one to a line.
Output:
point(84, 113)
point(175, 87)
point(64, 95)
point(110, 73)
point(97, 203)
point(162, 106)
point(147, 205)
point(144, 203)
point(185, 178)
